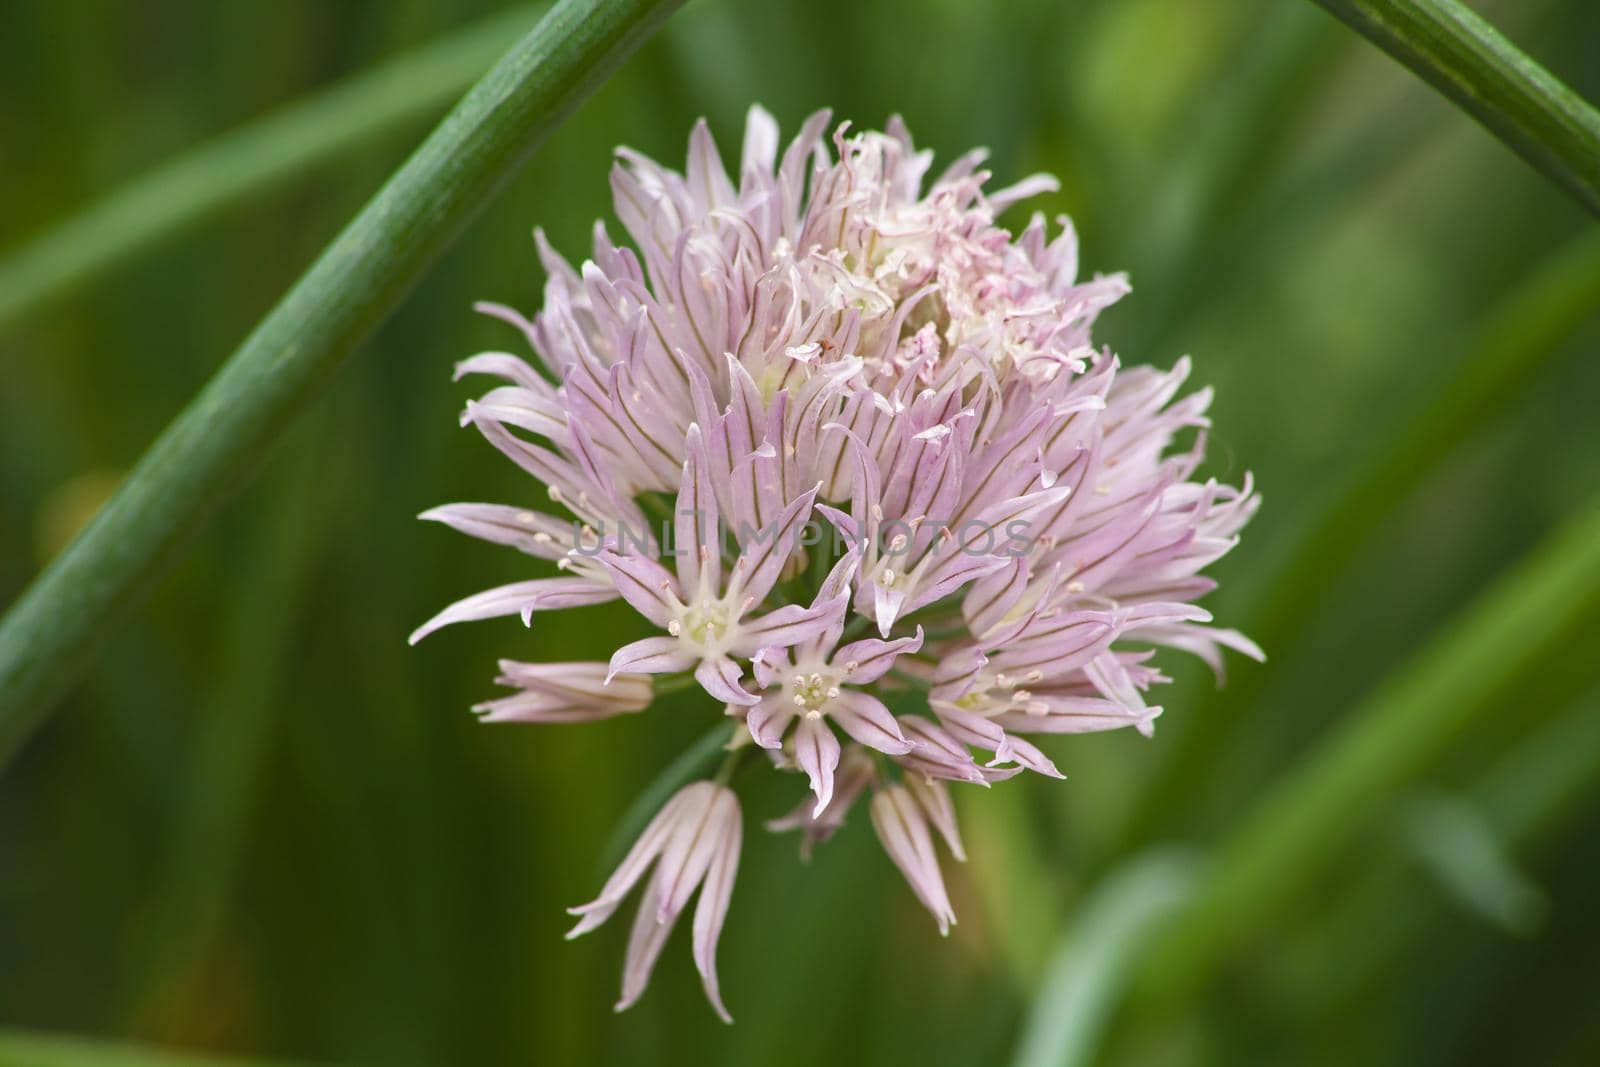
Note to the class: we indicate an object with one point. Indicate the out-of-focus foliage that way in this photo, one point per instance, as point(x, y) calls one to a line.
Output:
point(265, 826)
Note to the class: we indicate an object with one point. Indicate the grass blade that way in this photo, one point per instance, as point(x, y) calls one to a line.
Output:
point(1084, 983)
point(245, 163)
point(1467, 59)
point(1296, 826)
point(21, 1048)
point(1519, 337)
point(208, 451)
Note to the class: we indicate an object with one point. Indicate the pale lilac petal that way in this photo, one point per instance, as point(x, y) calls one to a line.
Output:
point(1031, 186)
point(837, 583)
point(1029, 756)
point(768, 718)
point(760, 151)
point(903, 831)
point(816, 750)
point(933, 797)
point(957, 672)
point(565, 692)
point(887, 605)
point(949, 575)
point(868, 660)
point(652, 655)
point(761, 559)
point(1203, 641)
point(707, 179)
point(970, 729)
point(864, 717)
point(712, 907)
point(645, 584)
point(721, 677)
point(576, 592)
point(1114, 682)
point(786, 626)
point(533, 532)
point(489, 604)
point(696, 523)
point(936, 754)
point(688, 852)
point(1047, 713)
point(645, 942)
point(501, 364)
point(691, 798)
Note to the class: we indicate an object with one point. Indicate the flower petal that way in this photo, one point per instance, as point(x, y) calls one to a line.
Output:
point(638, 860)
point(696, 523)
point(867, 721)
point(652, 655)
point(721, 677)
point(817, 752)
point(645, 584)
point(533, 532)
point(489, 604)
point(786, 626)
point(712, 907)
point(868, 660)
point(769, 718)
point(903, 830)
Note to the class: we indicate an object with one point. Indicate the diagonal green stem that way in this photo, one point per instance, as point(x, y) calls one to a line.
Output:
point(1294, 828)
point(693, 762)
point(257, 157)
point(1467, 59)
point(1517, 339)
point(1069, 1016)
point(210, 449)
point(1545, 781)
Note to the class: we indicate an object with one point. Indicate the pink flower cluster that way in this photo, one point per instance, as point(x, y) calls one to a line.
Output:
point(831, 343)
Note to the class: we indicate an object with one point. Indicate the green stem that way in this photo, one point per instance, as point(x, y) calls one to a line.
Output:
point(1295, 828)
point(1545, 781)
point(1545, 776)
point(691, 762)
point(667, 684)
point(212, 447)
point(1093, 961)
point(1466, 59)
point(248, 162)
point(1516, 340)
point(20, 1048)
point(732, 763)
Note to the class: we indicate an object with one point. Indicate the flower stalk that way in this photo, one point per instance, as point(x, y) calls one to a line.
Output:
point(1464, 57)
point(249, 162)
point(221, 438)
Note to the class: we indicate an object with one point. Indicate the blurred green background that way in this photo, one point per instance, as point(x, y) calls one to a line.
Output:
point(266, 827)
